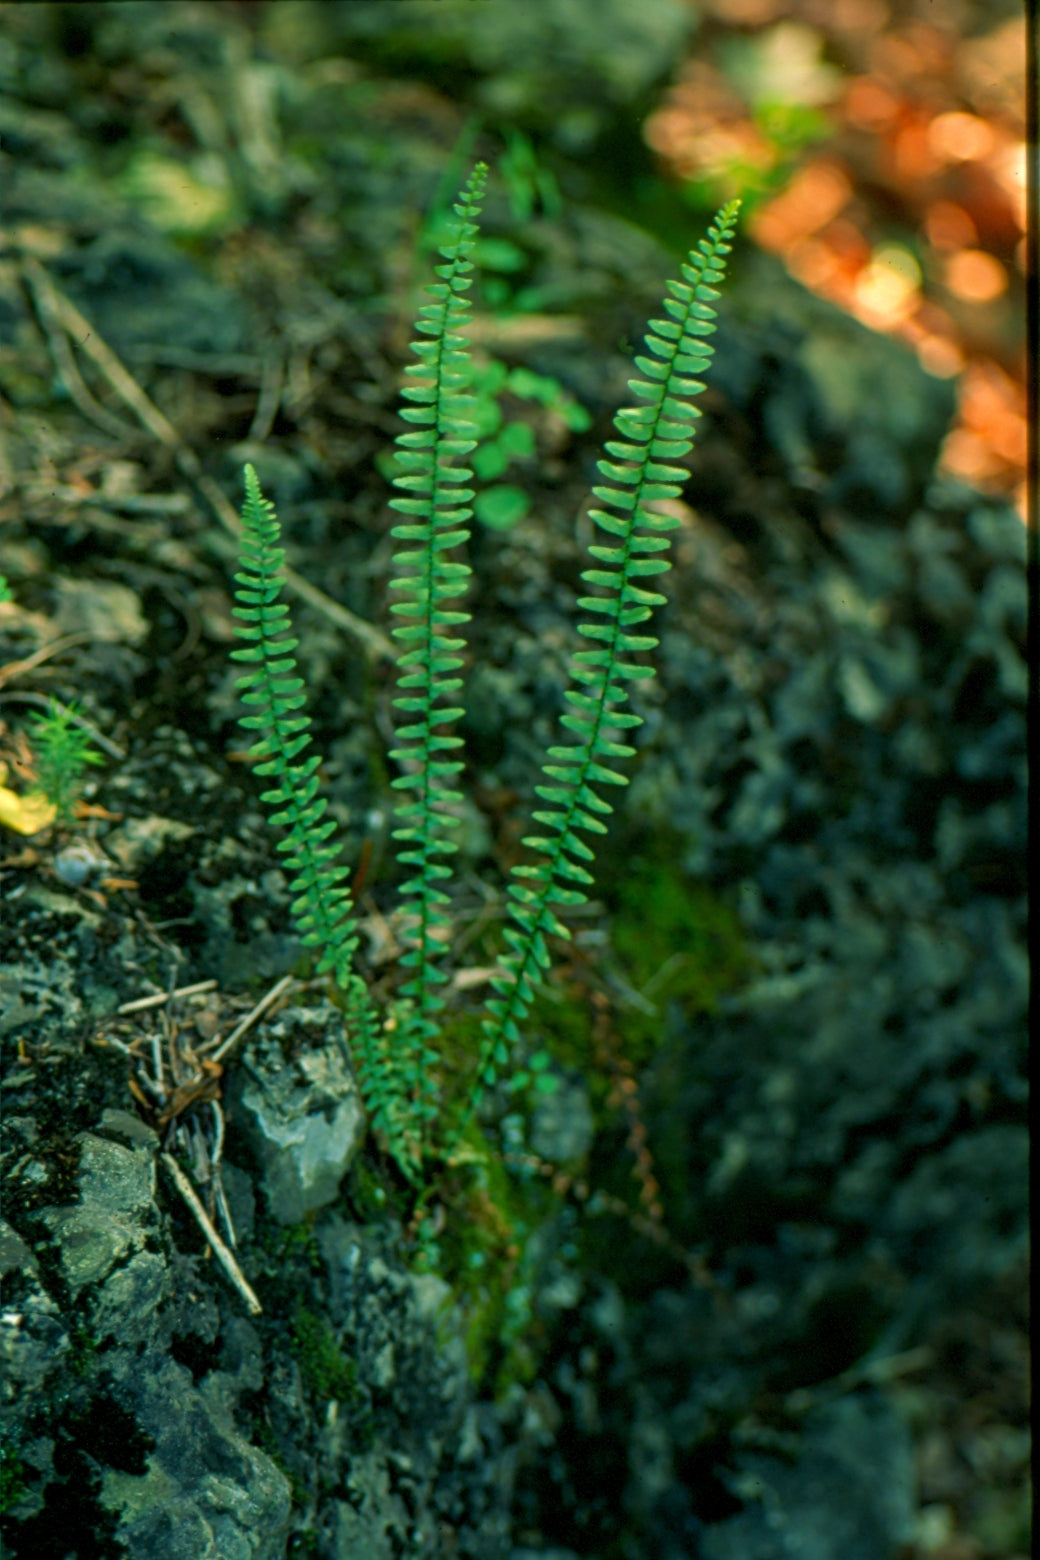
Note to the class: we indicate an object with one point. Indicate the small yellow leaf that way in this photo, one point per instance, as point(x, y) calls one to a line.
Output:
point(26, 814)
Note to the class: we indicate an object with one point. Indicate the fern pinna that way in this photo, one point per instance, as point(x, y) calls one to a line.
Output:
point(398, 1058)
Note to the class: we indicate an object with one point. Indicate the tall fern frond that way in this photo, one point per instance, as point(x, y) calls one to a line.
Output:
point(438, 510)
point(642, 472)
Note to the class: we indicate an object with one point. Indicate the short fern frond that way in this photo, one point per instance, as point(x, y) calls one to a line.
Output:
point(438, 511)
point(642, 472)
point(321, 905)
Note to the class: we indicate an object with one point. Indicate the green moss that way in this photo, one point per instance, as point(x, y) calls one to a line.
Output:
point(370, 1196)
point(83, 1354)
point(293, 1245)
point(12, 1482)
point(484, 1253)
point(327, 1372)
point(305, 1543)
point(676, 940)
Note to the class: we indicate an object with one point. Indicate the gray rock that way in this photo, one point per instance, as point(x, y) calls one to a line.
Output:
point(847, 1495)
point(117, 1187)
point(562, 1128)
point(303, 1119)
point(207, 1493)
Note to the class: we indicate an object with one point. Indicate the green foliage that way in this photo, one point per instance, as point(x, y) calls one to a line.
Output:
point(293, 1245)
point(63, 750)
point(786, 85)
point(497, 258)
point(528, 184)
point(325, 1369)
point(488, 1251)
point(502, 507)
point(437, 510)
point(676, 941)
point(529, 187)
point(6, 594)
point(12, 1480)
point(640, 473)
point(401, 1053)
point(500, 441)
point(321, 906)
point(787, 131)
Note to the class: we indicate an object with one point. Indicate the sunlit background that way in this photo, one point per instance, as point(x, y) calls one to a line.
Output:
point(884, 148)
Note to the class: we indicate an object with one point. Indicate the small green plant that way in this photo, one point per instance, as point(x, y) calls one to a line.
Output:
point(502, 440)
point(528, 183)
point(63, 750)
point(400, 1051)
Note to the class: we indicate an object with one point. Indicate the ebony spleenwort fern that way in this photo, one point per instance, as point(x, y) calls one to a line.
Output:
point(398, 1055)
point(653, 436)
point(438, 510)
point(321, 906)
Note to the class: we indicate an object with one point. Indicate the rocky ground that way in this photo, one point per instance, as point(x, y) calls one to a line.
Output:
point(752, 1282)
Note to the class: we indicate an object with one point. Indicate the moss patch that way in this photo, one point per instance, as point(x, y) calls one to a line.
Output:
point(327, 1372)
point(676, 940)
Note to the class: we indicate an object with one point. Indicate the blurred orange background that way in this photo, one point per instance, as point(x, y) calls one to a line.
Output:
point(884, 149)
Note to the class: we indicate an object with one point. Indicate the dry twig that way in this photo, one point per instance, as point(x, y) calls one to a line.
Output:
point(220, 1251)
point(56, 309)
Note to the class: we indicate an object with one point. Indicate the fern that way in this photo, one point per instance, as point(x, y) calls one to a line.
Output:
point(322, 908)
point(653, 437)
point(321, 905)
point(398, 1057)
point(438, 515)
